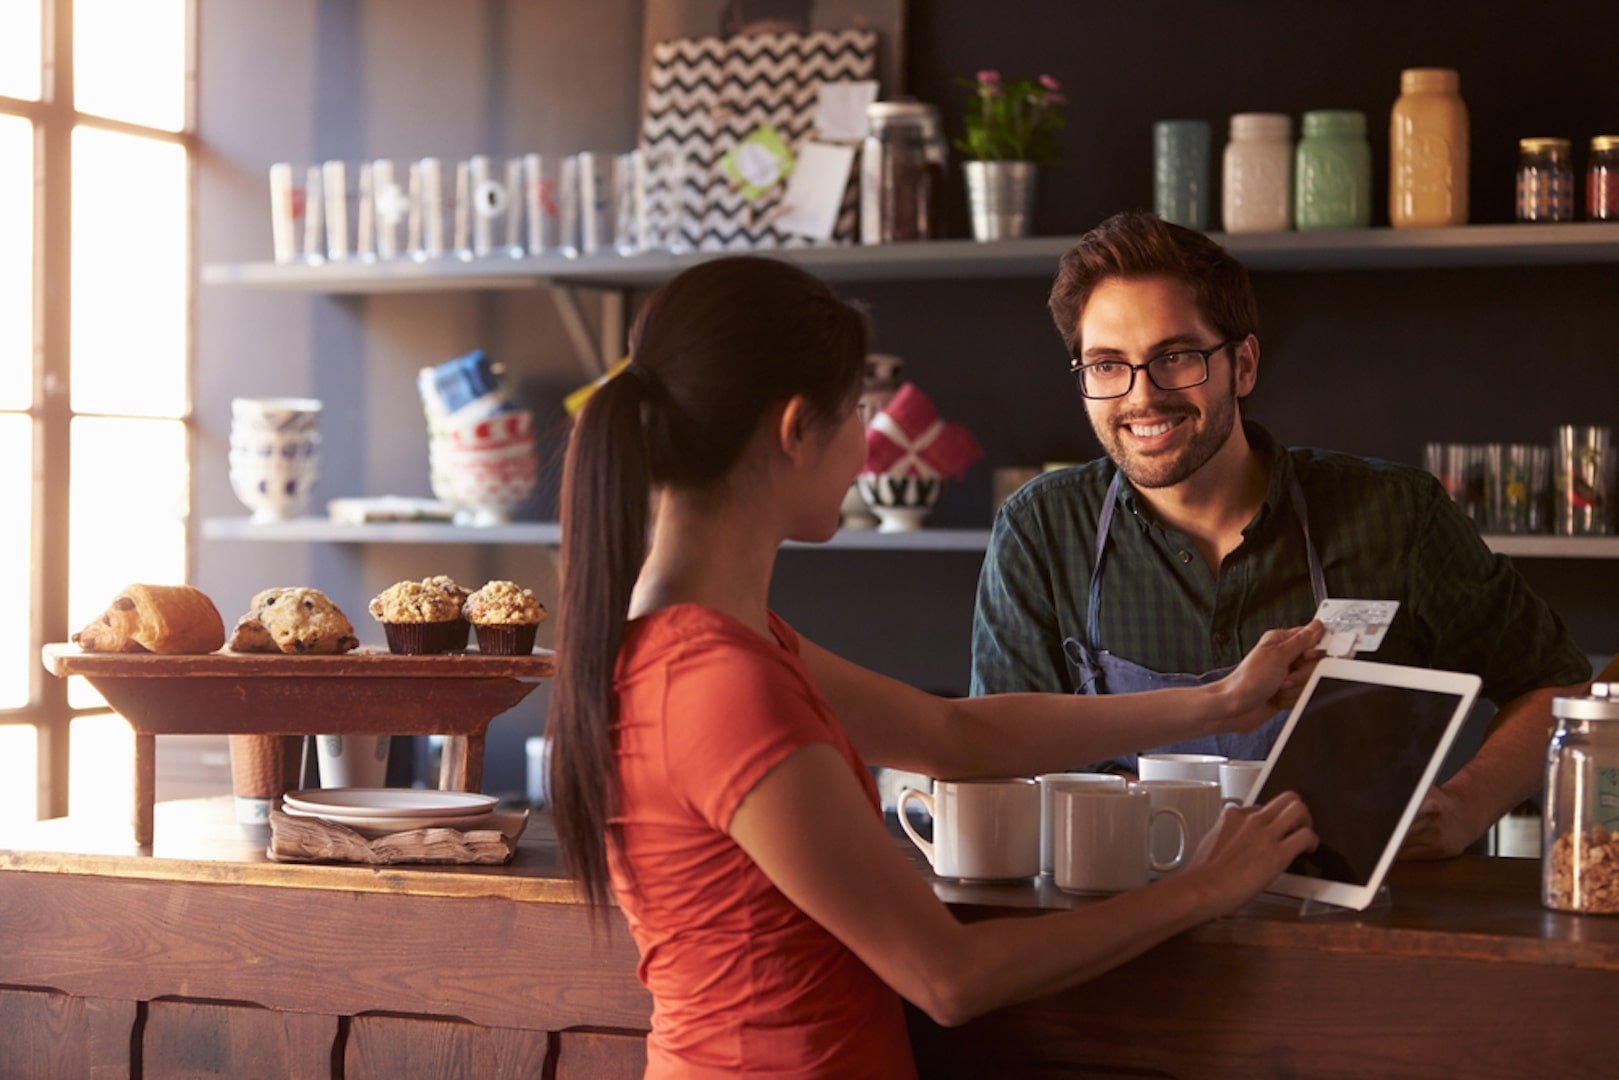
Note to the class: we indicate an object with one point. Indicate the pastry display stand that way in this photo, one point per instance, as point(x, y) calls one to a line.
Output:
point(366, 692)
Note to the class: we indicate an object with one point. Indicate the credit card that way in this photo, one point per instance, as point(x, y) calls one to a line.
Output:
point(1367, 620)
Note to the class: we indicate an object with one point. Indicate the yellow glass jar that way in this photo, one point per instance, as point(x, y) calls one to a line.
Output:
point(1428, 151)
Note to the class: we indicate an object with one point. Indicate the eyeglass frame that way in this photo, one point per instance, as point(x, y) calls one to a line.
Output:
point(1076, 367)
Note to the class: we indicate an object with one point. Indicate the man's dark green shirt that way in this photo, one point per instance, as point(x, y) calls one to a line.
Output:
point(1382, 531)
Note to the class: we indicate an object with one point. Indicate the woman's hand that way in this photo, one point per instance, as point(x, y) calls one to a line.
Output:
point(1269, 678)
point(1250, 845)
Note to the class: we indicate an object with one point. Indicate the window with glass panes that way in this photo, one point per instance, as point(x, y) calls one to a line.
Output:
point(95, 359)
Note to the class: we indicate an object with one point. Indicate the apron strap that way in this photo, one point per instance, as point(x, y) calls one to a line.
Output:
point(1093, 606)
point(1301, 510)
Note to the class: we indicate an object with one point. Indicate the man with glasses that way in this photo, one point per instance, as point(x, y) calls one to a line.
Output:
point(1161, 564)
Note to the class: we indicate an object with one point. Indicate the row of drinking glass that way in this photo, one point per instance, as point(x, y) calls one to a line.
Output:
point(536, 204)
point(1565, 488)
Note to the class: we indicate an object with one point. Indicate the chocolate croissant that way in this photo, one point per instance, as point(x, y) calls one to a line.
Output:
point(168, 619)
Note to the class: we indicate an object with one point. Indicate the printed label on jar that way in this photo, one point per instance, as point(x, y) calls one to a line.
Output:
point(1607, 800)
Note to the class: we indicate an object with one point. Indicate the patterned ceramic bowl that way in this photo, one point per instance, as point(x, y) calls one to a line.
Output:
point(900, 502)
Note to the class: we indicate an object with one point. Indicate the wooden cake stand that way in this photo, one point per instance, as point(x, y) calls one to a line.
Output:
point(366, 692)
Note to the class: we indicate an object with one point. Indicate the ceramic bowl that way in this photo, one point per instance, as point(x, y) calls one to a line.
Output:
point(900, 502)
point(275, 414)
point(274, 494)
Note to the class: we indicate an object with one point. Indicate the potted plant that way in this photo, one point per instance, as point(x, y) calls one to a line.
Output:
point(1011, 130)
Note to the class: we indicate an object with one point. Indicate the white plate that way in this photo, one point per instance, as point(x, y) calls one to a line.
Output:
point(393, 803)
point(373, 827)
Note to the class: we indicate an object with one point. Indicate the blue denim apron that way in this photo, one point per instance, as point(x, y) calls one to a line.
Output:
point(1100, 672)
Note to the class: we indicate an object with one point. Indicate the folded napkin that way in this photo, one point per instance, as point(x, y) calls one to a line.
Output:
point(907, 438)
point(308, 839)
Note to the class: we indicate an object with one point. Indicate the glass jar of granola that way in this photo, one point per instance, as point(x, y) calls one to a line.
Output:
point(1580, 867)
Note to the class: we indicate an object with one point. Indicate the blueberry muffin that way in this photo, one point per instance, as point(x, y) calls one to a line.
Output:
point(293, 619)
point(506, 617)
point(418, 618)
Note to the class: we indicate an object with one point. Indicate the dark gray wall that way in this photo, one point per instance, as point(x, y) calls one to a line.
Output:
point(1370, 362)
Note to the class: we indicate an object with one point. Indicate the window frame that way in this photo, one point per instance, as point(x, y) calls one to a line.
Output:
point(55, 117)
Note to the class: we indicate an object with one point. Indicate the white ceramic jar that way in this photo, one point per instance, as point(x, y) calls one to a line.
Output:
point(1258, 174)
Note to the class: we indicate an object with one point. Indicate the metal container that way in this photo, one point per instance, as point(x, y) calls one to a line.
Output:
point(1000, 198)
point(1580, 867)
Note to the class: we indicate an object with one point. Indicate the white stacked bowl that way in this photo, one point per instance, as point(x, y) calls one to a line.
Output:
point(488, 466)
point(274, 455)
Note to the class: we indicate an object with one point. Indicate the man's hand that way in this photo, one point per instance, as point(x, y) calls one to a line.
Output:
point(1440, 830)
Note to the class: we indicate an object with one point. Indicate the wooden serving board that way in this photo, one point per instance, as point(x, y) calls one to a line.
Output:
point(366, 692)
point(367, 661)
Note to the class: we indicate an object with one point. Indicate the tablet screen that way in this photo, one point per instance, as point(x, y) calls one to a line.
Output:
point(1355, 755)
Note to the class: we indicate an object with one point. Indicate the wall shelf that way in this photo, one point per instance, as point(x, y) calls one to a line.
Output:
point(541, 534)
point(549, 534)
point(1350, 249)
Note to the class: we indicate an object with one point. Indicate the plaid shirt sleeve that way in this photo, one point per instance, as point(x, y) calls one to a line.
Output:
point(1482, 615)
point(1017, 637)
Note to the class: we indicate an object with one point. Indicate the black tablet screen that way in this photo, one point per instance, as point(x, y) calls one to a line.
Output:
point(1355, 756)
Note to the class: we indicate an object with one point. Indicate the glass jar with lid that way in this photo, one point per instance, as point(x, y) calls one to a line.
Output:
point(1580, 865)
point(1545, 180)
point(902, 171)
point(1602, 179)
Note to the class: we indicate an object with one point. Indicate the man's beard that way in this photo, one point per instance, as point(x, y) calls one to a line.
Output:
point(1159, 472)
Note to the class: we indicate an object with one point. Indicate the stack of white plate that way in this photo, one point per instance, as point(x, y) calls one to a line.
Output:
point(374, 812)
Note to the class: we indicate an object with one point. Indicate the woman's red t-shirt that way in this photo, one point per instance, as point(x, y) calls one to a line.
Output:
point(742, 981)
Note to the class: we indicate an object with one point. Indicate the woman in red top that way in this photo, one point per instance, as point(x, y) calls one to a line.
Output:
point(710, 765)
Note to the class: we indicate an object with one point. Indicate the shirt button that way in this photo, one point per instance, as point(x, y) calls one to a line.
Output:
point(1185, 556)
point(1221, 637)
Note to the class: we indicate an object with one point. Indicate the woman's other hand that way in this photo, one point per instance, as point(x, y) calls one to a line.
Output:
point(1270, 677)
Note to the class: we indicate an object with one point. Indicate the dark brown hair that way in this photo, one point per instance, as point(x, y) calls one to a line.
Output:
point(1138, 245)
point(713, 351)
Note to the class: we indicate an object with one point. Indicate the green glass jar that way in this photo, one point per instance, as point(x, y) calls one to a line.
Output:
point(1332, 175)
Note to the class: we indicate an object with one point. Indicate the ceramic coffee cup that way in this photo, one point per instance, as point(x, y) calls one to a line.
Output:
point(1238, 780)
point(1199, 804)
point(1180, 767)
point(1050, 782)
point(1100, 842)
point(983, 830)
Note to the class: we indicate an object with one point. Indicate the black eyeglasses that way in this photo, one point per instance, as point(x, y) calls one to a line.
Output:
point(1114, 378)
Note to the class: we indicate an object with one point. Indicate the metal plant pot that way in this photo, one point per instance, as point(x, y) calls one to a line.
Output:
point(1000, 198)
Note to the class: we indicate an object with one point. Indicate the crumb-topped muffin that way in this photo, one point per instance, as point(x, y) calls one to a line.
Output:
point(506, 617)
point(463, 630)
point(418, 617)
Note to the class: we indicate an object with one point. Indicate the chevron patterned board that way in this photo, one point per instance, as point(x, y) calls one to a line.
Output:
point(704, 96)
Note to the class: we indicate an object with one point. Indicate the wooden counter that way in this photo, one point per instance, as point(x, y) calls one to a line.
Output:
point(206, 959)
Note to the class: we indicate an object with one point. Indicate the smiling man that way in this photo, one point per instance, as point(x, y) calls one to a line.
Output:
point(1162, 563)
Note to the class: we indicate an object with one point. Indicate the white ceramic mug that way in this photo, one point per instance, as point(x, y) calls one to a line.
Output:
point(352, 760)
point(1199, 805)
point(1101, 838)
point(1050, 782)
point(1180, 767)
point(983, 830)
point(1238, 780)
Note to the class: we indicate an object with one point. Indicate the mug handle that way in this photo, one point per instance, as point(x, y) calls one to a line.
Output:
point(906, 794)
point(1180, 829)
point(1230, 800)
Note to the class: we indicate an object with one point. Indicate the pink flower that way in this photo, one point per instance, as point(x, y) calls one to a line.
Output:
point(1054, 98)
point(989, 77)
point(1050, 84)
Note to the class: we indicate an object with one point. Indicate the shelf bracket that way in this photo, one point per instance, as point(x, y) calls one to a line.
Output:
point(596, 352)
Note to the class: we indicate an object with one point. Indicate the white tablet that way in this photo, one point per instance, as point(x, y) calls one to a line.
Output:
point(1361, 748)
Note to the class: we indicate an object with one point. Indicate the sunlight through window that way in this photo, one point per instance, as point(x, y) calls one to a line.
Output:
point(17, 658)
point(19, 769)
point(129, 274)
point(19, 48)
point(129, 60)
point(101, 770)
point(128, 505)
point(16, 256)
